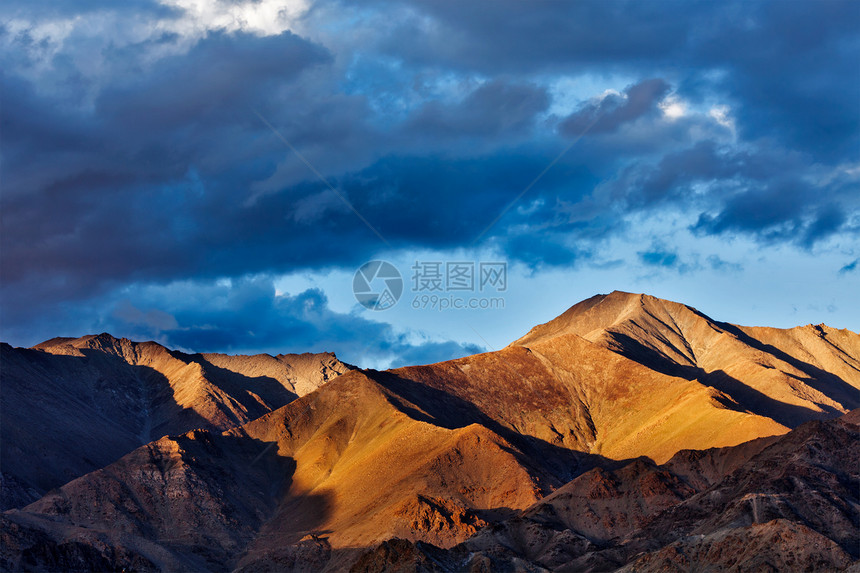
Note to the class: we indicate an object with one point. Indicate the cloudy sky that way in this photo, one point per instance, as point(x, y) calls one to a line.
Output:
point(211, 173)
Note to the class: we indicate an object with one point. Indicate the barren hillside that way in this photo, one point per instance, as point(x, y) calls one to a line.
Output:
point(71, 406)
point(574, 448)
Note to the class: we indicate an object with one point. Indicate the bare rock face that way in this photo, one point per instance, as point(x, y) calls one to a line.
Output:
point(399, 556)
point(604, 504)
point(629, 433)
point(71, 406)
point(778, 545)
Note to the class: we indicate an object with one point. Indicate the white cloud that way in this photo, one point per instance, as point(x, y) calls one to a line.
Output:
point(88, 41)
point(673, 108)
point(722, 115)
point(261, 17)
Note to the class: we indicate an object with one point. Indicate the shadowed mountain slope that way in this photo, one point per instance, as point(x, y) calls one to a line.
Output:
point(70, 406)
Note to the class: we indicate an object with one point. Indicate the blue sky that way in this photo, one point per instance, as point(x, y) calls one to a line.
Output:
point(210, 174)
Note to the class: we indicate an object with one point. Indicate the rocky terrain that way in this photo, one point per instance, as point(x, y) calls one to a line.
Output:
point(630, 433)
point(782, 504)
point(71, 406)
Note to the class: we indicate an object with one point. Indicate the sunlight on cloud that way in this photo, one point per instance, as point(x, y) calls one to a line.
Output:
point(89, 41)
point(264, 18)
point(673, 108)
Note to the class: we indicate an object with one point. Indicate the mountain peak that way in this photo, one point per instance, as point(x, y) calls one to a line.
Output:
point(100, 341)
point(593, 316)
point(773, 372)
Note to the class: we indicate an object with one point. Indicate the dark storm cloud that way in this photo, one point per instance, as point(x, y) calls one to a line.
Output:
point(612, 111)
point(827, 220)
point(494, 109)
point(151, 123)
point(509, 36)
point(144, 162)
point(443, 203)
point(676, 173)
point(793, 67)
point(446, 202)
point(544, 249)
point(781, 209)
point(166, 159)
point(767, 193)
point(210, 85)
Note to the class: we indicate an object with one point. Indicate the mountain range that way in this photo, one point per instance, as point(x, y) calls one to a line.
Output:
point(630, 433)
point(71, 406)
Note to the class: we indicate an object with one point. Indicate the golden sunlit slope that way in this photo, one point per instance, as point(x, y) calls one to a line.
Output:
point(73, 405)
point(788, 375)
point(376, 466)
point(578, 395)
point(353, 461)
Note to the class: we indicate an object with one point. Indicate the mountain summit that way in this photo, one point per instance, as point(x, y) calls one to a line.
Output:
point(786, 375)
